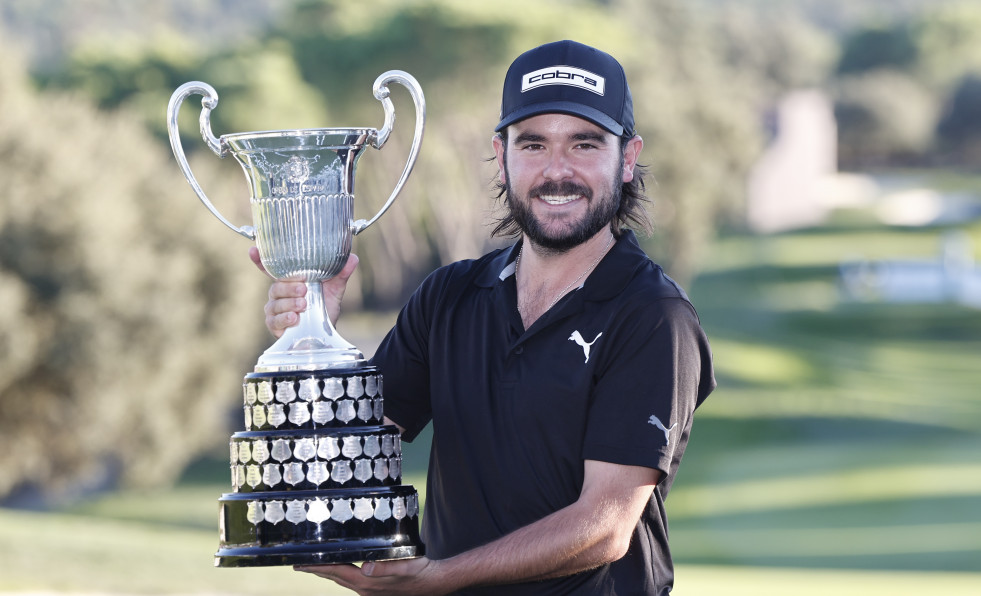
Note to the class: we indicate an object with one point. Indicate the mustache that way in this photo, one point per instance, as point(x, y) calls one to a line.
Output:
point(566, 187)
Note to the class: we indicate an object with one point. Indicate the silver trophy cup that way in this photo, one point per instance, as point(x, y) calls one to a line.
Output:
point(302, 184)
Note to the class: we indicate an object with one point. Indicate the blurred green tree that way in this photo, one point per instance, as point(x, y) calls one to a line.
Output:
point(126, 322)
point(878, 47)
point(259, 85)
point(773, 51)
point(948, 39)
point(696, 107)
point(884, 117)
point(960, 128)
point(893, 78)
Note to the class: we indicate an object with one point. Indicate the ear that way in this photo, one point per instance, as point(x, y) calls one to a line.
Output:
point(499, 148)
point(631, 153)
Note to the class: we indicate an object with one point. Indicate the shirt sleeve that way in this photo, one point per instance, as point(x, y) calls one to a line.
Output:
point(647, 389)
point(402, 359)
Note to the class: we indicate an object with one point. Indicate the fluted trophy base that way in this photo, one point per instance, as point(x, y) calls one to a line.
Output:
point(304, 360)
point(312, 344)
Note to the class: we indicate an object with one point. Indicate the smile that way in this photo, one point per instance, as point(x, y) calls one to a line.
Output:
point(559, 200)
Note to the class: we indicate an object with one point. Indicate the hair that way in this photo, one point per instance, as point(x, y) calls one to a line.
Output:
point(631, 213)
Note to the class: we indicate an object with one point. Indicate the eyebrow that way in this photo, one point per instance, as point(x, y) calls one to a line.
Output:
point(532, 137)
point(529, 137)
point(589, 136)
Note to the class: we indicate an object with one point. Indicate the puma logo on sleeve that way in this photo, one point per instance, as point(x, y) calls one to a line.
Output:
point(667, 431)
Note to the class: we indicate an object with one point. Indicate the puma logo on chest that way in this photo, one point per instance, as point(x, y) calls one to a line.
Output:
point(578, 338)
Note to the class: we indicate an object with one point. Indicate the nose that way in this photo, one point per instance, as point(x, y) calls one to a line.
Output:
point(558, 167)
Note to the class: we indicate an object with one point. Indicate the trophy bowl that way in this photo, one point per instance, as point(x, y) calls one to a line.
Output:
point(302, 198)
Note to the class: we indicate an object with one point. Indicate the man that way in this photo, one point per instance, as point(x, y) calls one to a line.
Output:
point(560, 374)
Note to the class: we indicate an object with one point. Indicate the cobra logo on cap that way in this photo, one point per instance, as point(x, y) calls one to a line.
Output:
point(564, 75)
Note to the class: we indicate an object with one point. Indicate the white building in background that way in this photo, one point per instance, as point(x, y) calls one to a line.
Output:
point(788, 186)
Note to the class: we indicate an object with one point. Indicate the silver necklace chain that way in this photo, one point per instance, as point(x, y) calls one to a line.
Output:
point(565, 290)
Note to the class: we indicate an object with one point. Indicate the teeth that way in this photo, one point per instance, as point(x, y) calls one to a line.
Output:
point(558, 200)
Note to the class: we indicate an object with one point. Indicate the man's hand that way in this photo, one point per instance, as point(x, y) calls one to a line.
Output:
point(286, 298)
point(420, 576)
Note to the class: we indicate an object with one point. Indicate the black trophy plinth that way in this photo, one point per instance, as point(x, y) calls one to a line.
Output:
point(316, 475)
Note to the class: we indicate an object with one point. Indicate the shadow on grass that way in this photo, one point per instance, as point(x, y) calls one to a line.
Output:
point(819, 492)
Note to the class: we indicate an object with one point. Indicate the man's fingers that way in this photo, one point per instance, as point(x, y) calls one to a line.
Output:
point(277, 324)
point(287, 289)
point(282, 313)
point(344, 574)
point(284, 305)
point(287, 298)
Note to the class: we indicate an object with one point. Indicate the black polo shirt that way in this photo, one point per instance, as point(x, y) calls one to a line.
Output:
point(612, 372)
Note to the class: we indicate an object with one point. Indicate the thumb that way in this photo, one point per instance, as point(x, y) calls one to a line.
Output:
point(254, 255)
point(334, 288)
point(348, 270)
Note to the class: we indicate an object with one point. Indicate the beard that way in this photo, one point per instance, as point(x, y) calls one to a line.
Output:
point(600, 214)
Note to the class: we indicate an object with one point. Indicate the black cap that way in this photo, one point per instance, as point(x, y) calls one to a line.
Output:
point(567, 77)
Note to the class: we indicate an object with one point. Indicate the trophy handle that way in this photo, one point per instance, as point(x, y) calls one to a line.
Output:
point(379, 137)
point(209, 100)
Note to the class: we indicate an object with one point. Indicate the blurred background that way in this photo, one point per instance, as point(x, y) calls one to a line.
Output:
point(817, 170)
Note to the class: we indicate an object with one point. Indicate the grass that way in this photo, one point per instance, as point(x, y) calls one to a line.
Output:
point(136, 542)
point(845, 435)
point(831, 493)
point(841, 452)
point(92, 554)
point(62, 552)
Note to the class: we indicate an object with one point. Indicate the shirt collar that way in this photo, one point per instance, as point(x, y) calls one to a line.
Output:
point(608, 279)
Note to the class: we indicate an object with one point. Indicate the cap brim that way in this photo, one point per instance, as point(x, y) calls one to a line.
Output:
point(562, 107)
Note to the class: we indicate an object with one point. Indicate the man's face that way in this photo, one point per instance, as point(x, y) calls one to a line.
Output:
point(563, 176)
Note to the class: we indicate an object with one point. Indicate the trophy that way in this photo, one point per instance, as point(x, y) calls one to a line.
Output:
point(316, 473)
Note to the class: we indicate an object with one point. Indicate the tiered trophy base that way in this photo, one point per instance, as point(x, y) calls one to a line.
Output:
point(316, 475)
